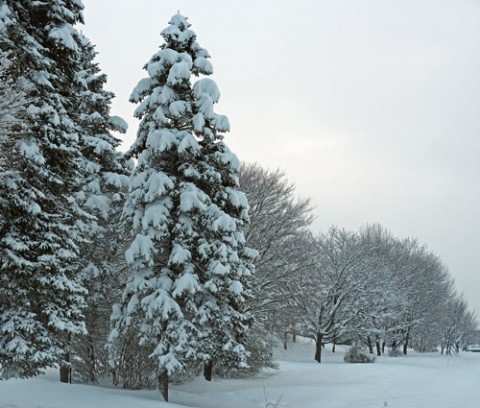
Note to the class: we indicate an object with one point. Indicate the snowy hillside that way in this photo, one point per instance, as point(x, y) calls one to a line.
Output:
point(416, 381)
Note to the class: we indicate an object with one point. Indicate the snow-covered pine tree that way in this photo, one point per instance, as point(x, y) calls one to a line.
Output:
point(189, 260)
point(102, 195)
point(41, 295)
point(12, 110)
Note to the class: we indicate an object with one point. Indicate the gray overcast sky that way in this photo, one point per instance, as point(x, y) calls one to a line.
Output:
point(371, 107)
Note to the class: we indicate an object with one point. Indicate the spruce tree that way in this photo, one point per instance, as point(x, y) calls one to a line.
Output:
point(42, 295)
point(102, 192)
point(189, 261)
point(40, 300)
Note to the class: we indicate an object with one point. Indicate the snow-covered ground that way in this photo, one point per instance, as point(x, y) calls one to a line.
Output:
point(415, 381)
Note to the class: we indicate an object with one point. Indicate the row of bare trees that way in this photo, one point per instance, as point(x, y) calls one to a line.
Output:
point(366, 286)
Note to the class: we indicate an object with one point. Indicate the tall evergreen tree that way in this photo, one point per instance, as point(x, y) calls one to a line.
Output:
point(61, 148)
point(188, 256)
point(41, 299)
point(102, 192)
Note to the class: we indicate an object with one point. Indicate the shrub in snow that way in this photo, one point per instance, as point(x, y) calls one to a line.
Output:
point(131, 366)
point(260, 345)
point(395, 352)
point(357, 355)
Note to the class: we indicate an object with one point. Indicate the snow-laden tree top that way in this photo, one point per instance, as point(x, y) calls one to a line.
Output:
point(168, 99)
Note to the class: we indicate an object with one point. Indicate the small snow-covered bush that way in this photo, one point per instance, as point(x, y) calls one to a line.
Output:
point(357, 355)
point(395, 353)
point(260, 345)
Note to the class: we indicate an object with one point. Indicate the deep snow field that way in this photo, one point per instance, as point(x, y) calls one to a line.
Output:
point(414, 381)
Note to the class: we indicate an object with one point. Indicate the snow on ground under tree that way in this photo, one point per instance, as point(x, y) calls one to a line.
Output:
point(415, 381)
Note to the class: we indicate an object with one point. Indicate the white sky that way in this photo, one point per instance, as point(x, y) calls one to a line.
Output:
point(371, 107)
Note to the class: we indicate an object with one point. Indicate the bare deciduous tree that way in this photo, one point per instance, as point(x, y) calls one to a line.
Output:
point(278, 230)
point(335, 292)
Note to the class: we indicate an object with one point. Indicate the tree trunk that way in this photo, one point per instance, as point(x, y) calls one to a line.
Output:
point(383, 347)
point(405, 343)
point(377, 345)
point(93, 358)
point(66, 367)
point(65, 374)
point(163, 384)
point(114, 377)
point(370, 345)
point(294, 337)
point(66, 370)
point(318, 347)
point(285, 340)
point(207, 370)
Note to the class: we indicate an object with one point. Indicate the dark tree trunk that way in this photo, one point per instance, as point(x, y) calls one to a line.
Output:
point(294, 337)
point(377, 345)
point(318, 347)
point(93, 359)
point(405, 343)
point(114, 377)
point(207, 370)
point(370, 345)
point(285, 340)
point(163, 385)
point(383, 347)
point(65, 374)
point(66, 370)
